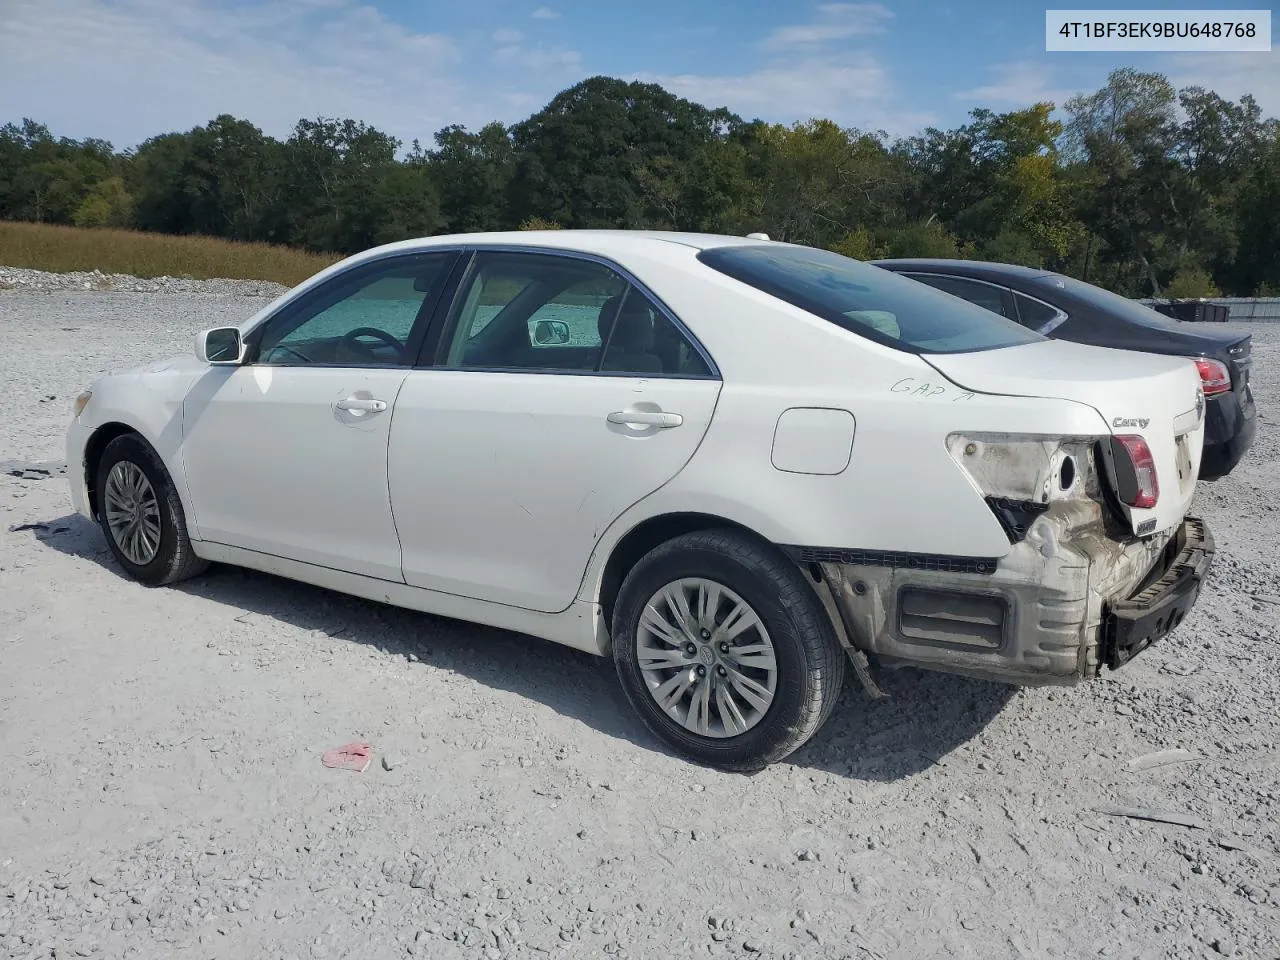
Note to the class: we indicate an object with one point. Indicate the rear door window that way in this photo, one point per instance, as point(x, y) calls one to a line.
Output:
point(867, 300)
point(985, 295)
point(1037, 314)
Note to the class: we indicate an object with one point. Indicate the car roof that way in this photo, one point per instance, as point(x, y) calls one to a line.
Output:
point(606, 242)
point(964, 268)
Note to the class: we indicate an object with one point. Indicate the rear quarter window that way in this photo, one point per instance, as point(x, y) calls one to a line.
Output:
point(867, 300)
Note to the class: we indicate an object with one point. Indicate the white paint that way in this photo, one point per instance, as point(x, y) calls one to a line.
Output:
point(511, 490)
point(816, 440)
point(281, 470)
point(503, 482)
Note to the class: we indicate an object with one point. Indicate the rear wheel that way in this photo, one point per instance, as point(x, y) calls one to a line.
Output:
point(725, 651)
point(141, 514)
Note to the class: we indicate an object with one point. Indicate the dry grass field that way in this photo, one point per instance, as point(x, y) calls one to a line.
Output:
point(42, 246)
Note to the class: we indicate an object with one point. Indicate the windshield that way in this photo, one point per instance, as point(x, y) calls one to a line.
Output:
point(868, 300)
point(1112, 303)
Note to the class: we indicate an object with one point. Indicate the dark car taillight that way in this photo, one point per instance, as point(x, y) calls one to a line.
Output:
point(1136, 482)
point(1214, 376)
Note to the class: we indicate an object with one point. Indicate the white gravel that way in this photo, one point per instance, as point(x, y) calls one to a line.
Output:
point(162, 792)
point(38, 281)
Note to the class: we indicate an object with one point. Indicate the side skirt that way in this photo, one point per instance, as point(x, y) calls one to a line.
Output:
point(575, 627)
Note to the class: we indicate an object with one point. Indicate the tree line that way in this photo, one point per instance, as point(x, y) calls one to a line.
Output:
point(1139, 187)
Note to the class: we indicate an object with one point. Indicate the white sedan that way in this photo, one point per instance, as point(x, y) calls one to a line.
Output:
point(737, 466)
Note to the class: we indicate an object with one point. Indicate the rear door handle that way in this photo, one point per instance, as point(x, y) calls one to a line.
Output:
point(365, 406)
point(647, 418)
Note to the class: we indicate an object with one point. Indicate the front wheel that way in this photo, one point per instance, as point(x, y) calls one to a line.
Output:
point(141, 514)
point(725, 651)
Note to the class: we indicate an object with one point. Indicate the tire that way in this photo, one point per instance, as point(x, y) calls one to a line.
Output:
point(171, 558)
point(808, 662)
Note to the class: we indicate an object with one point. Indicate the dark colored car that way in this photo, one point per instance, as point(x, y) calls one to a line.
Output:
point(1069, 309)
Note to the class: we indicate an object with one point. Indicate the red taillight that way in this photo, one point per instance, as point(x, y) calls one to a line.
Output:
point(1146, 490)
point(1214, 376)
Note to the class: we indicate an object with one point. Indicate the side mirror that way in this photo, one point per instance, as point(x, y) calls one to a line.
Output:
point(551, 332)
point(220, 347)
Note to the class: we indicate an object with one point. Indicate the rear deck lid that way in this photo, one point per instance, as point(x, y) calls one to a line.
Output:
point(1155, 397)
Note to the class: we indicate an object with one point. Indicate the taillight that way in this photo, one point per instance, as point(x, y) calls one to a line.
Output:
point(1136, 480)
point(1214, 376)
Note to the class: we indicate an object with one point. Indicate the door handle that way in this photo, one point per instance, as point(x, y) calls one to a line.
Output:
point(365, 406)
point(647, 418)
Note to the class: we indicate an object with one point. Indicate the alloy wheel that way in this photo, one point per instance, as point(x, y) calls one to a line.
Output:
point(133, 512)
point(706, 657)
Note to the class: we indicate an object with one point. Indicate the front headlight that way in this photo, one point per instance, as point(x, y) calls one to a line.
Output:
point(82, 401)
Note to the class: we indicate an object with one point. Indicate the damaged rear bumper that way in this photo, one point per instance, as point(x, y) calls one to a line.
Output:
point(1136, 622)
point(1067, 599)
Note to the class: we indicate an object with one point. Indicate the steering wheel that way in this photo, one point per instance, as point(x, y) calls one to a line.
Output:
point(351, 340)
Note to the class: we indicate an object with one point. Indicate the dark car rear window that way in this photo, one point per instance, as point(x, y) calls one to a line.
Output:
point(1104, 300)
point(867, 300)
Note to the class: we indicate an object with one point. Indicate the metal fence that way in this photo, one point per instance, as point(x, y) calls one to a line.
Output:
point(1247, 309)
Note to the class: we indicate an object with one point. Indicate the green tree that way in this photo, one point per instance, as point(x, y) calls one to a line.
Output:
point(996, 183)
point(331, 169)
point(107, 205)
point(817, 183)
point(1121, 140)
point(1191, 282)
point(474, 171)
point(607, 153)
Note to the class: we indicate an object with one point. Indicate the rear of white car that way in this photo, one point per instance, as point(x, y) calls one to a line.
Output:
point(1082, 460)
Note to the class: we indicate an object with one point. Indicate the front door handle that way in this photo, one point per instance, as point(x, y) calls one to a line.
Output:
point(646, 418)
point(364, 406)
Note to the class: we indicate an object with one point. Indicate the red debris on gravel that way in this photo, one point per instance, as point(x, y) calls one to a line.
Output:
point(354, 756)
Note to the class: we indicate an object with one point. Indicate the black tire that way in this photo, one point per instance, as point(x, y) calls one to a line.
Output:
point(810, 662)
point(174, 559)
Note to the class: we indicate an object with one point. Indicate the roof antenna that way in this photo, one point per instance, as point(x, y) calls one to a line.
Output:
point(757, 236)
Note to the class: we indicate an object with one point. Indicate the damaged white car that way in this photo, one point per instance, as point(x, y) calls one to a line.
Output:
point(738, 467)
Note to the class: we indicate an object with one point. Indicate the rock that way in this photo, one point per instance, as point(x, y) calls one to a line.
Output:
point(420, 879)
point(391, 761)
point(808, 856)
point(1225, 946)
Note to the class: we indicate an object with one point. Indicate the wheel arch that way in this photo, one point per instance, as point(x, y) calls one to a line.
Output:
point(95, 447)
point(645, 536)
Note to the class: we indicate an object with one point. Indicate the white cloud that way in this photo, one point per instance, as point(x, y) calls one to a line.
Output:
point(860, 96)
point(1019, 84)
point(1230, 75)
point(834, 21)
point(541, 58)
point(814, 71)
point(126, 70)
point(545, 13)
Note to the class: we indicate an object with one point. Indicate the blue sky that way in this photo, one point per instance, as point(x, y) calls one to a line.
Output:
point(126, 69)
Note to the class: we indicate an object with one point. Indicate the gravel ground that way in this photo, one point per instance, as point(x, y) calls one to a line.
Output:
point(163, 794)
